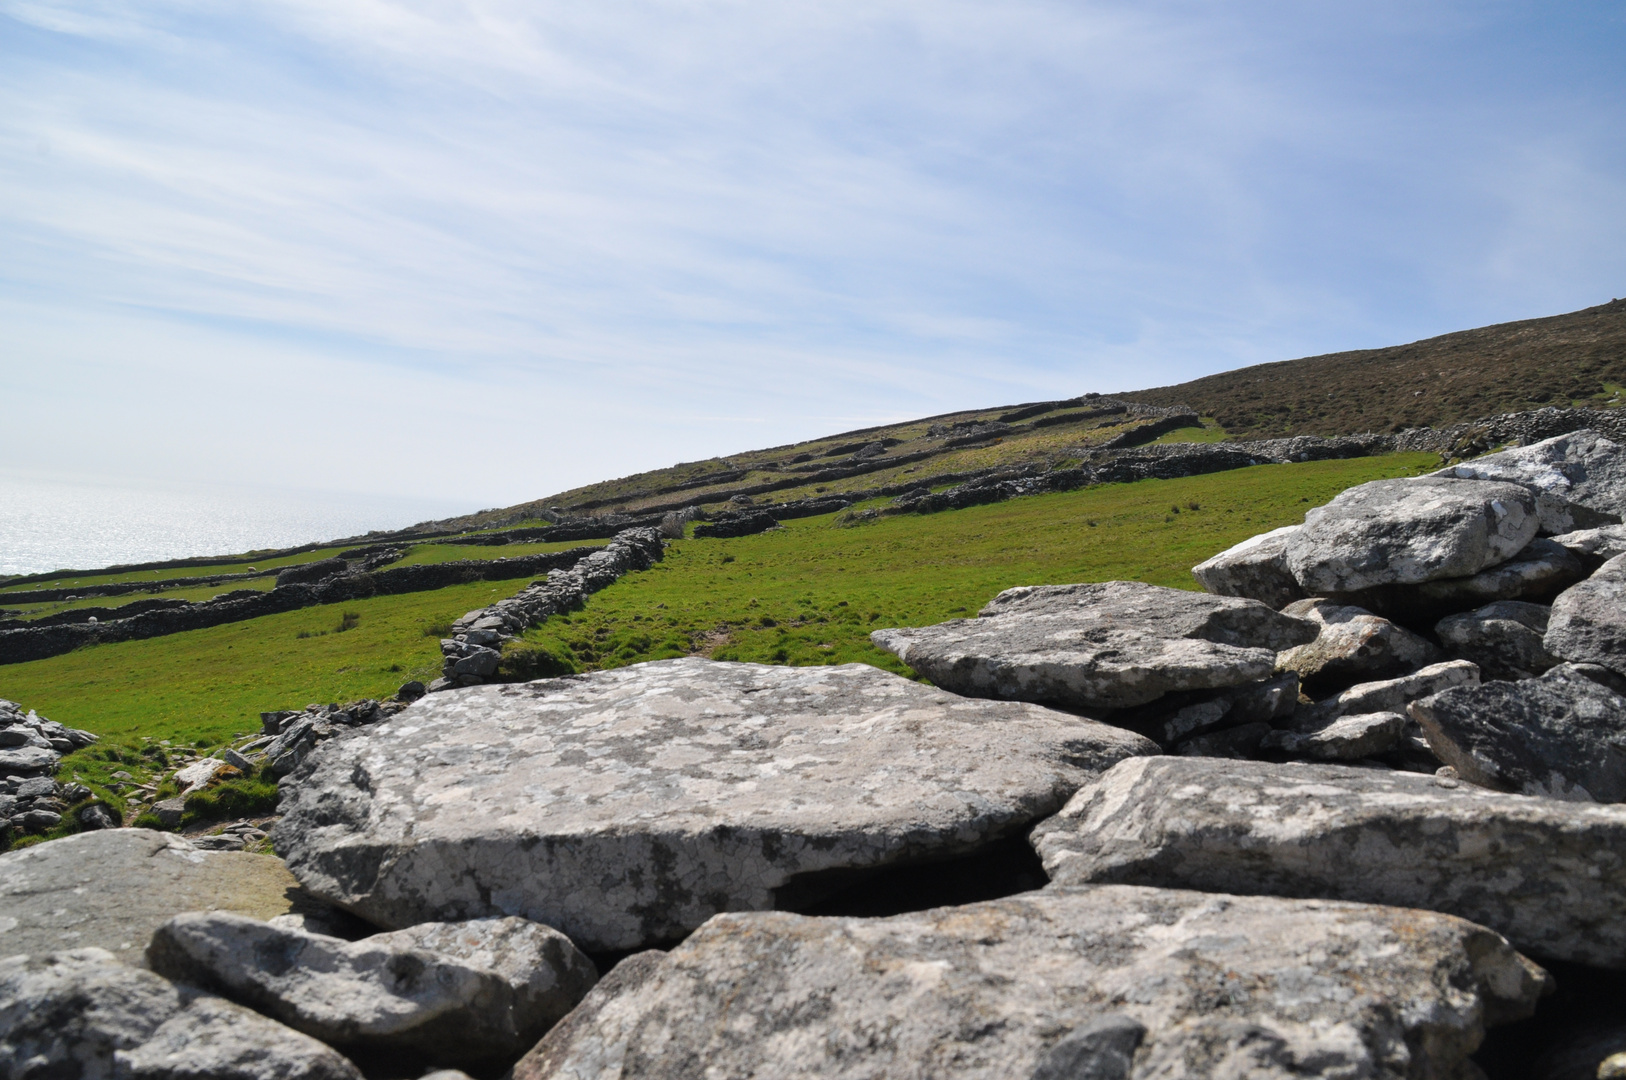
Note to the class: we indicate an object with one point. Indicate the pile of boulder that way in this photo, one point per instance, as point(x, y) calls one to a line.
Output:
point(31, 800)
point(474, 651)
point(1358, 804)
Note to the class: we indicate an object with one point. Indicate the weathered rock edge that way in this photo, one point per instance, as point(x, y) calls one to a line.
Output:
point(1059, 983)
point(1549, 875)
point(626, 807)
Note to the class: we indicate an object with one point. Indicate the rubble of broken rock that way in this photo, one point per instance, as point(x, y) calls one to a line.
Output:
point(1358, 809)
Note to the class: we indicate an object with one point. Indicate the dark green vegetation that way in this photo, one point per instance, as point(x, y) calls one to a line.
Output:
point(1575, 359)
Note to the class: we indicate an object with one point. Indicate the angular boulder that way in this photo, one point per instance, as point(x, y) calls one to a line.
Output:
point(1348, 738)
point(1386, 695)
point(1588, 621)
point(1539, 572)
point(83, 1015)
point(1088, 982)
point(1550, 876)
point(626, 807)
point(1408, 531)
point(1106, 646)
point(1255, 569)
point(1572, 473)
point(388, 993)
point(1594, 547)
point(1353, 645)
point(1504, 639)
point(112, 888)
point(1562, 735)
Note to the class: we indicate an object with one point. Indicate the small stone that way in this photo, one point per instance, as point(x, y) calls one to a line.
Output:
point(1386, 695)
point(169, 812)
point(237, 761)
point(1408, 531)
point(1562, 736)
point(221, 842)
point(200, 774)
point(411, 690)
point(96, 816)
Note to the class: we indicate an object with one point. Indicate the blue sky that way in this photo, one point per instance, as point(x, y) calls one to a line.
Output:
point(484, 251)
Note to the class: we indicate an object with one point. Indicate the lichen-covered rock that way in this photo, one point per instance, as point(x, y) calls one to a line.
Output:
point(1104, 982)
point(1353, 645)
point(112, 888)
point(1550, 876)
point(82, 1015)
point(390, 992)
point(1255, 569)
point(1348, 738)
point(1176, 718)
point(1107, 646)
point(1538, 572)
point(1504, 639)
point(1408, 531)
point(626, 807)
point(1588, 621)
point(1562, 735)
point(1572, 473)
point(1386, 695)
point(1594, 547)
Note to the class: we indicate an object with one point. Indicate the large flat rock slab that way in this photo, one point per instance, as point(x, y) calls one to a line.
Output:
point(1112, 645)
point(111, 889)
point(1584, 468)
point(1549, 875)
point(1099, 982)
point(1255, 569)
point(1408, 531)
point(1562, 735)
point(626, 807)
point(1588, 620)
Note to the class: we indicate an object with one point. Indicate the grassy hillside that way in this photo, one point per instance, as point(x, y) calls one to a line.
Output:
point(1574, 359)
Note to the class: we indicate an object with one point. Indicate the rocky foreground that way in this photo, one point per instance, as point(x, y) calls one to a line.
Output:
point(1353, 808)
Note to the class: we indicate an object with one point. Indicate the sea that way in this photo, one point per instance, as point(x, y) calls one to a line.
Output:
point(54, 523)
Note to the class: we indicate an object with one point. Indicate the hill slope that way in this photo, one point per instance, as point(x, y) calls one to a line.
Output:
point(1576, 358)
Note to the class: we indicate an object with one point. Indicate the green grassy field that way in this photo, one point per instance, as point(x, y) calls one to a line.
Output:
point(193, 593)
point(810, 593)
point(439, 553)
point(247, 563)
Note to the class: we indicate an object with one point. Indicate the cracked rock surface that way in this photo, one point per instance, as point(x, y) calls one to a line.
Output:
point(1562, 735)
point(1092, 982)
point(1408, 531)
point(626, 807)
point(1112, 645)
point(397, 993)
point(1549, 875)
point(112, 888)
point(82, 1015)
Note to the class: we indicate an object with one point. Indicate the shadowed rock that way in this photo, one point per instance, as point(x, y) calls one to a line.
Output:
point(1386, 695)
point(1405, 532)
point(462, 1004)
point(1348, 738)
point(1549, 875)
point(1353, 645)
point(1594, 547)
point(1106, 982)
point(1588, 621)
point(83, 1015)
point(626, 807)
point(1108, 646)
point(1562, 735)
point(1504, 639)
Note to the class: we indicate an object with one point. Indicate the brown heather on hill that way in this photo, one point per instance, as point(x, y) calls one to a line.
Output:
point(1579, 359)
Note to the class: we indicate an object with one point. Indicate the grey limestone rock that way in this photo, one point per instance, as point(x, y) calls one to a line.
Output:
point(1538, 572)
point(1348, 738)
point(1102, 981)
point(27, 760)
point(1504, 639)
point(626, 807)
point(1549, 875)
point(1175, 718)
point(1353, 645)
point(1594, 547)
point(392, 993)
point(1107, 646)
point(1562, 735)
point(1255, 569)
point(112, 888)
point(1386, 695)
point(1408, 531)
point(82, 1015)
point(1573, 473)
point(1588, 621)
